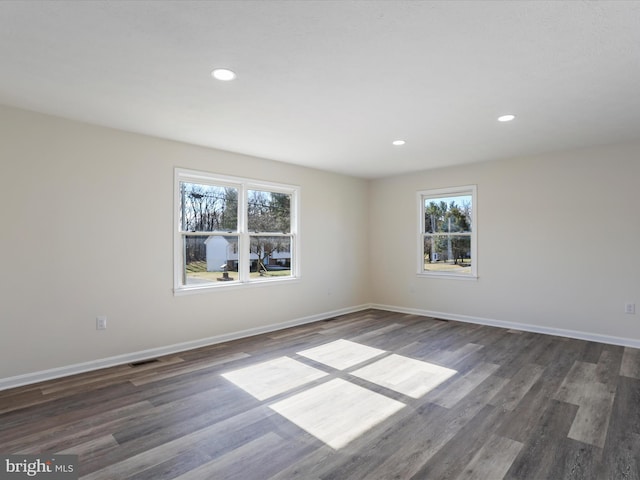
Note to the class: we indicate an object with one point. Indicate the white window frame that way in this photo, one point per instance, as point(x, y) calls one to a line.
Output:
point(443, 193)
point(243, 185)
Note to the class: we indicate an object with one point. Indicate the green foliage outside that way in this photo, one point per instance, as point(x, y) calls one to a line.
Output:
point(447, 239)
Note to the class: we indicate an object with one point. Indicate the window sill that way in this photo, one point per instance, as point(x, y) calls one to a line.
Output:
point(226, 286)
point(449, 276)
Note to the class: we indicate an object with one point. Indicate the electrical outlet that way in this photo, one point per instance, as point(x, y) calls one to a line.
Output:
point(630, 308)
point(101, 322)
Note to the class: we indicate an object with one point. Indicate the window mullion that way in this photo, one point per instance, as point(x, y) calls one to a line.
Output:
point(244, 260)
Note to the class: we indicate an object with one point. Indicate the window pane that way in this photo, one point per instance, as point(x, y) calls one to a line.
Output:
point(269, 211)
point(210, 259)
point(270, 256)
point(447, 253)
point(448, 214)
point(208, 208)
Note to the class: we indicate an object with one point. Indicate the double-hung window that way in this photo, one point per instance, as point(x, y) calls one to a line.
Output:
point(447, 232)
point(232, 231)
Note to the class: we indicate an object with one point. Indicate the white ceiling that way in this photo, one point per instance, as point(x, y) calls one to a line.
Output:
point(329, 84)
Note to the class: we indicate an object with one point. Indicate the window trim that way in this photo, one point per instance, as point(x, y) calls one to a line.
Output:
point(243, 185)
point(423, 195)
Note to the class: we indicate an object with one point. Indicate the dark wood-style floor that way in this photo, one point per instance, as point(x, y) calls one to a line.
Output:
point(370, 395)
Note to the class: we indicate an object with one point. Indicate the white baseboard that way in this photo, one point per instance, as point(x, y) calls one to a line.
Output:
point(41, 376)
point(576, 334)
point(35, 377)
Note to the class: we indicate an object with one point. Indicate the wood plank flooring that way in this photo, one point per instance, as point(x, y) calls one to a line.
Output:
point(370, 395)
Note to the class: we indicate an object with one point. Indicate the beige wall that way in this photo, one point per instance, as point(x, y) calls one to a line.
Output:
point(87, 230)
point(558, 242)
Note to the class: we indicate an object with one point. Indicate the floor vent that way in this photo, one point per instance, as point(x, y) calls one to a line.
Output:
point(143, 362)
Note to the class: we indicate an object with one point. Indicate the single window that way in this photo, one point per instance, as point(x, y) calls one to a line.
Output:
point(447, 238)
point(233, 231)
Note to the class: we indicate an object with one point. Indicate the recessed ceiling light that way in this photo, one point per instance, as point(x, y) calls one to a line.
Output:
point(398, 143)
point(506, 118)
point(223, 74)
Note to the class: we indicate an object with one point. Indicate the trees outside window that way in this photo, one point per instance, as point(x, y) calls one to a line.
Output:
point(233, 231)
point(447, 241)
point(205, 210)
point(269, 221)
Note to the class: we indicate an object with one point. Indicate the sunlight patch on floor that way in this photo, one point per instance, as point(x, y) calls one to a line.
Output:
point(337, 412)
point(341, 354)
point(267, 379)
point(408, 376)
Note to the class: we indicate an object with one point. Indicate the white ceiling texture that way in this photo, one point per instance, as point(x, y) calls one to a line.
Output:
point(330, 84)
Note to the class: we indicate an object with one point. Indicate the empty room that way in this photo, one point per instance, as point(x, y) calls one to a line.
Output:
point(319, 240)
